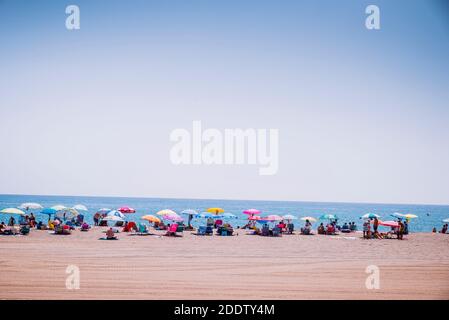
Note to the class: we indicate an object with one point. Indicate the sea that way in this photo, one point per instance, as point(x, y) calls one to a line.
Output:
point(429, 216)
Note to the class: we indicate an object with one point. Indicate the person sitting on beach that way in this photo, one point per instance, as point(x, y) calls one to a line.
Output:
point(2, 227)
point(321, 229)
point(110, 235)
point(85, 226)
point(352, 226)
point(307, 228)
point(345, 228)
point(444, 229)
point(330, 229)
point(210, 221)
point(218, 223)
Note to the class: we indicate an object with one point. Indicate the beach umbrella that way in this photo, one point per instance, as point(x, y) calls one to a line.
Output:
point(289, 217)
point(126, 210)
point(254, 218)
point(116, 213)
point(274, 217)
point(328, 217)
point(66, 213)
point(215, 210)
point(80, 207)
point(12, 211)
point(205, 215)
point(397, 215)
point(228, 215)
point(410, 216)
point(370, 216)
point(311, 219)
point(103, 210)
point(394, 224)
point(49, 211)
point(165, 212)
point(30, 206)
point(150, 218)
point(59, 207)
point(446, 220)
point(251, 211)
point(172, 217)
point(112, 218)
point(189, 212)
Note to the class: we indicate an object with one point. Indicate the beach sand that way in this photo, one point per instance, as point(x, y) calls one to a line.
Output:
point(239, 267)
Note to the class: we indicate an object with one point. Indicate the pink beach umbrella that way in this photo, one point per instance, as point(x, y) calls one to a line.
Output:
point(126, 210)
point(254, 218)
point(173, 217)
point(251, 211)
point(393, 224)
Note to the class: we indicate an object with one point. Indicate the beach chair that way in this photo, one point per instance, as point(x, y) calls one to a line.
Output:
point(142, 230)
point(172, 231)
point(277, 232)
point(201, 231)
point(209, 230)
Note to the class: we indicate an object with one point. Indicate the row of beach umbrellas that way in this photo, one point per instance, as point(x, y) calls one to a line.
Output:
point(168, 214)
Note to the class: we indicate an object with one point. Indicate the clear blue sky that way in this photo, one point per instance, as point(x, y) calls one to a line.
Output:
point(363, 115)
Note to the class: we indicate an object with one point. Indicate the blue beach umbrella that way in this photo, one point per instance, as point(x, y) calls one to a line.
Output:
point(49, 211)
point(328, 217)
point(205, 215)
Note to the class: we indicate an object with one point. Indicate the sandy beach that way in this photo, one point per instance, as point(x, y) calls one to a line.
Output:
point(239, 267)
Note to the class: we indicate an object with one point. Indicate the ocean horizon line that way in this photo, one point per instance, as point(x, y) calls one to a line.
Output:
point(222, 199)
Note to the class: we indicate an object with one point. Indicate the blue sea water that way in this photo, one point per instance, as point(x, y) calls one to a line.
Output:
point(429, 216)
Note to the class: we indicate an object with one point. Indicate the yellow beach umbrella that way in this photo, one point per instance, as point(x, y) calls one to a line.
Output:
point(215, 210)
point(166, 212)
point(311, 219)
point(12, 211)
point(409, 216)
point(150, 218)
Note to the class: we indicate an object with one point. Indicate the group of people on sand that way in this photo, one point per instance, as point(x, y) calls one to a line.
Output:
point(332, 228)
point(443, 230)
point(373, 233)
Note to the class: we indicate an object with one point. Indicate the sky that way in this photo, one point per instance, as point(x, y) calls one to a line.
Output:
point(362, 114)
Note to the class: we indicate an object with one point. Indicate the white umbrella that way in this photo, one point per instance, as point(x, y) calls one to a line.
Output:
point(66, 213)
point(59, 207)
point(12, 211)
point(31, 206)
point(289, 217)
point(112, 218)
point(80, 207)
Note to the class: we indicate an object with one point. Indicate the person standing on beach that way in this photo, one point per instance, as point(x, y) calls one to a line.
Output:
point(375, 224)
point(11, 222)
point(400, 230)
point(96, 218)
